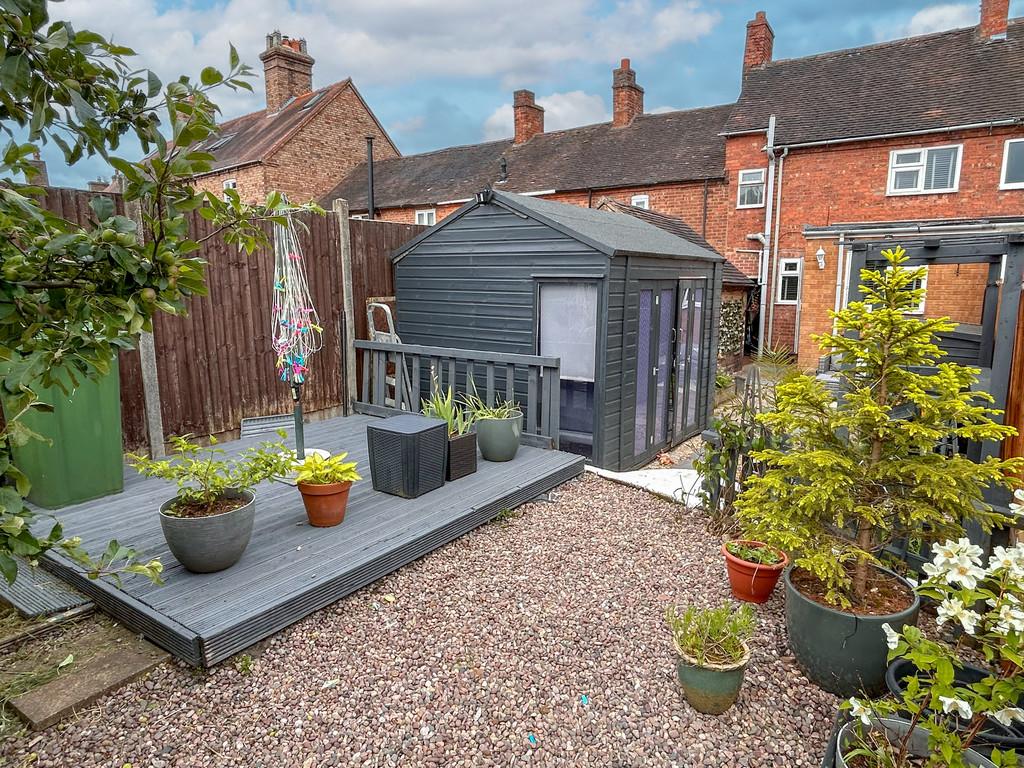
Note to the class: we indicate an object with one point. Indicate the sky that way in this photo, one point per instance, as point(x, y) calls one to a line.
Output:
point(440, 74)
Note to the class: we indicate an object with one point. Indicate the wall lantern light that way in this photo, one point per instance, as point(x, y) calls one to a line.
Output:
point(820, 256)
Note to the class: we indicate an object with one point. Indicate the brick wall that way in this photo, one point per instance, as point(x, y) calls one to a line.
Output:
point(250, 182)
point(847, 183)
point(685, 201)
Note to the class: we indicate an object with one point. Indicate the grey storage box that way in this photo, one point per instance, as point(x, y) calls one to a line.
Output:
point(408, 455)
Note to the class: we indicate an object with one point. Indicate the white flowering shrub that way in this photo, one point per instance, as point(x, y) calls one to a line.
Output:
point(986, 602)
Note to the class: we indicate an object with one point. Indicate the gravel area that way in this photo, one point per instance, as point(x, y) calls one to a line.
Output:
point(537, 639)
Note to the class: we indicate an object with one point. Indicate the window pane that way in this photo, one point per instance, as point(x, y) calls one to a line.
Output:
point(752, 177)
point(643, 371)
point(751, 194)
point(940, 168)
point(568, 327)
point(789, 288)
point(694, 351)
point(1014, 163)
point(905, 180)
point(907, 158)
point(639, 201)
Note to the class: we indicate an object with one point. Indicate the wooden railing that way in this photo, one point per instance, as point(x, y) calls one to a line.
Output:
point(397, 377)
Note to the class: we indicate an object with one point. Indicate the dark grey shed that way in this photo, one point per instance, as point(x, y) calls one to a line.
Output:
point(631, 311)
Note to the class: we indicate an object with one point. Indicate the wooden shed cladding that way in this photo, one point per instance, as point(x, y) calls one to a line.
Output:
point(476, 281)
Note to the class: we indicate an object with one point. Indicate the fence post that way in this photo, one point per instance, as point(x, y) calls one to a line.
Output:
point(348, 352)
point(147, 358)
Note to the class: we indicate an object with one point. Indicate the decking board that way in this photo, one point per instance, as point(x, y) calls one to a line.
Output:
point(205, 618)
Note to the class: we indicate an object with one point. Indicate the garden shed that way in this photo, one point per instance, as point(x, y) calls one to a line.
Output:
point(630, 310)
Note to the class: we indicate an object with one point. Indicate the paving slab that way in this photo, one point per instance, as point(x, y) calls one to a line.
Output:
point(127, 658)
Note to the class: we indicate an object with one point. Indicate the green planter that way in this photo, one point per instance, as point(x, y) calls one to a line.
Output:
point(711, 689)
point(841, 652)
point(84, 458)
point(499, 438)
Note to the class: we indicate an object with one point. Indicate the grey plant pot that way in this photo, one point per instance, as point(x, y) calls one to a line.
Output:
point(895, 730)
point(711, 689)
point(499, 438)
point(842, 652)
point(208, 544)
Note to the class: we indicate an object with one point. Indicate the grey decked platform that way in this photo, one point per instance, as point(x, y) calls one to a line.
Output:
point(290, 569)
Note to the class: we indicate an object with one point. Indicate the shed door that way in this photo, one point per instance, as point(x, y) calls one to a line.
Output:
point(690, 374)
point(656, 320)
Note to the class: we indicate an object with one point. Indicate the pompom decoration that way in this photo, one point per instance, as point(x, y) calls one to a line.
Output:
point(296, 327)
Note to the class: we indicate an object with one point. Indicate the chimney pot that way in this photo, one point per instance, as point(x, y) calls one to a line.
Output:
point(287, 69)
point(995, 16)
point(627, 96)
point(760, 39)
point(528, 116)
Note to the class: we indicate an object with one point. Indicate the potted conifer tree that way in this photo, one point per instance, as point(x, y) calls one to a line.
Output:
point(860, 469)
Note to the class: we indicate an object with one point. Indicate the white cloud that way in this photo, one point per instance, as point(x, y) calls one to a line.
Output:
point(561, 110)
point(660, 110)
point(934, 18)
point(397, 41)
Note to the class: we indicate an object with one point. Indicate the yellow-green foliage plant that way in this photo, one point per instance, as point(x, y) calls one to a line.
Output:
point(860, 469)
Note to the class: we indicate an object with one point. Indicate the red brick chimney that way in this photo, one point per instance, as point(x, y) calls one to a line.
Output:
point(529, 117)
point(627, 96)
point(994, 16)
point(758, 50)
point(287, 69)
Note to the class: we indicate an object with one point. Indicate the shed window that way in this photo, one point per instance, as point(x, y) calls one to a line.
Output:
point(751, 189)
point(920, 171)
point(1013, 165)
point(568, 327)
point(789, 281)
point(640, 201)
point(427, 216)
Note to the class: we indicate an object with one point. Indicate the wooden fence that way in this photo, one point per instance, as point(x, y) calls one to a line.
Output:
point(215, 365)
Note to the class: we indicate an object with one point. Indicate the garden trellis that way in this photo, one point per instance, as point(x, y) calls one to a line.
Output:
point(296, 328)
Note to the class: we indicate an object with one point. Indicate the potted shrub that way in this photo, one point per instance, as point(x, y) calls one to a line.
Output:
point(887, 742)
point(461, 441)
point(324, 484)
point(754, 569)
point(956, 709)
point(713, 653)
point(859, 469)
point(208, 523)
point(498, 427)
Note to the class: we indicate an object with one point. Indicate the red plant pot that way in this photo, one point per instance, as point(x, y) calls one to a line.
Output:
point(753, 582)
point(325, 504)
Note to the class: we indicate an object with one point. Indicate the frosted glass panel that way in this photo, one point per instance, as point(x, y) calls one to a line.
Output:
point(664, 360)
point(568, 327)
point(693, 352)
point(643, 375)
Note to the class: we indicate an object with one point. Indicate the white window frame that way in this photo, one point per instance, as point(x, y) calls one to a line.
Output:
point(641, 201)
point(783, 272)
point(1003, 183)
point(921, 166)
point(427, 213)
point(919, 309)
point(228, 184)
point(360, 216)
point(740, 184)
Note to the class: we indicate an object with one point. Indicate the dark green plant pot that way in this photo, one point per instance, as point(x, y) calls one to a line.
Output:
point(209, 544)
point(712, 689)
point(841, 652)
point(896, 731)
point(499, 438)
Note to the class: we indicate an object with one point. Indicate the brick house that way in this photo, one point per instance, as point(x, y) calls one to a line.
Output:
point(672, 162)
point(303, 141)
point(910, 137)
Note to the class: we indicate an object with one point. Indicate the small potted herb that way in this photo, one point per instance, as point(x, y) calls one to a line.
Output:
point(713, 653)
point(754, 569)
point(207, 525)
point(324, 484)
point(461, 441)
point(498, 427)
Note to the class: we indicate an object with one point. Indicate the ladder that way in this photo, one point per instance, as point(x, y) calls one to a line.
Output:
point(390, 336)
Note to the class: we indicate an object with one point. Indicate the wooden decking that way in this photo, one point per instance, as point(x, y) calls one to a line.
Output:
point(290, 569)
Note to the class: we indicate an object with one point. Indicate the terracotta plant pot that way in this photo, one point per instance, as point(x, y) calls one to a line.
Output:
point(325, 504)
point(753, 582)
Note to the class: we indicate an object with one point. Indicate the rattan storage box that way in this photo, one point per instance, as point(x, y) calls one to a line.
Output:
point(407, 455)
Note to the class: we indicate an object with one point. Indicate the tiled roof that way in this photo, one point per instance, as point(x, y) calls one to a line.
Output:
point(254, 137)
point(935, 81)
point(731, 275)
point(653, 149)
